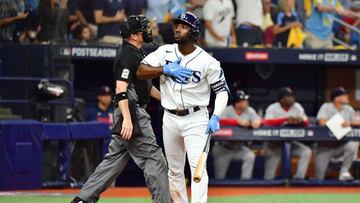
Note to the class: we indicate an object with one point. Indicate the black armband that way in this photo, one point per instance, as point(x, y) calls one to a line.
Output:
point(219, 86)
point(120, 96)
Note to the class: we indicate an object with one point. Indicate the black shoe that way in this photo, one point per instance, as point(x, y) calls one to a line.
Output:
point(78, 200)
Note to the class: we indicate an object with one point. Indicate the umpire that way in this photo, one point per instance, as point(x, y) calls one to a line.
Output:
point(132, 134)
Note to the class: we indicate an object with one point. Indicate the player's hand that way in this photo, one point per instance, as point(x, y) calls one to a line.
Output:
point(174, 69)
point(127, 128)
point(299, 120)
point(243, 123)
point(291, 120)
point(213, 125)
point(346, 124)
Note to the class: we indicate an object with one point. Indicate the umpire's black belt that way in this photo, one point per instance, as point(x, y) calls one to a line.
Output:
point(183, 112)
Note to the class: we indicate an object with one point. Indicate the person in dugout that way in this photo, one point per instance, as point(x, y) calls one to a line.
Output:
point(242, 115)
point(286, 111)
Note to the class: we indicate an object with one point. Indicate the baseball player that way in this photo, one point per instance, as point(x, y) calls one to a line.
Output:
point(242, 115)
point(346, 149)
point(186, 122)
point(132, 134)
point(286, 112)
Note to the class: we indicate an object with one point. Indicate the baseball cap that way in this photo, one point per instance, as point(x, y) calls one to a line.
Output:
point(105, 90)
point(285, 91)
point(338, 91)
point(240, 95)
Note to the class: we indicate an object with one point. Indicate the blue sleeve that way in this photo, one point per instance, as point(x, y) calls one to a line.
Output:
point(280, 17)
point(99, 5)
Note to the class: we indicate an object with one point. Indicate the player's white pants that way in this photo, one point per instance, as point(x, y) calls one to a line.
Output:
point(185, 135)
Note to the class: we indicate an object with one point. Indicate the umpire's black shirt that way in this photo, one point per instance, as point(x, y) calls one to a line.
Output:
point(126, 65)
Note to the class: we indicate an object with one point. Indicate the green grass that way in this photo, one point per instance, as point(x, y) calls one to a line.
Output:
point(283, 198)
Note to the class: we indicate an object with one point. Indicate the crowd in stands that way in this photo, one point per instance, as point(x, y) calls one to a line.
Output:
point(226, 23)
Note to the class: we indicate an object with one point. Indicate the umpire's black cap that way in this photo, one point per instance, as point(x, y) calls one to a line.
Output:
point(285, 91)
point(338, 91)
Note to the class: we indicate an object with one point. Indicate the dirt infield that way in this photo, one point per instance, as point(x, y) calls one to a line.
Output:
point(213, 191)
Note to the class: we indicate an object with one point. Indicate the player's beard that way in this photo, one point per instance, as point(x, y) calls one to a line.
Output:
point(183, 40)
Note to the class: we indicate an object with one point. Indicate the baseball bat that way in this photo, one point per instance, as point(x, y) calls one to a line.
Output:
point(202, 161)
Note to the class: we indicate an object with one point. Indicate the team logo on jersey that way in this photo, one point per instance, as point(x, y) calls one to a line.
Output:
point(195, 78)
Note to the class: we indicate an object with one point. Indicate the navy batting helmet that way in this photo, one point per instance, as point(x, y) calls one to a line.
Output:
point(191, 20)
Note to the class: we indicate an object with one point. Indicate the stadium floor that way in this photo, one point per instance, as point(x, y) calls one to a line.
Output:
point(216, 195)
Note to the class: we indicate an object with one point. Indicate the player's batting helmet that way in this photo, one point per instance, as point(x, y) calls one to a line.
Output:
point(192, 21)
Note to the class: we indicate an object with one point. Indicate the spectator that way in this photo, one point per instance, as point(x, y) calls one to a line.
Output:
point(349, 36)
point(84, 11)
point(196, 7)
point(134, 7)
point(220, 30)
point(238, 114)
point(345, 149)
point(268, 24)
point(84, 34)
point(158, 10)
point(320, 23)
point(103, 110)
point(249, 18)
point(157, 38)
point(108, 16)
point(286, 19)
point(286, 112)
point(267, 20)
point(10, 12)
point(53, 20)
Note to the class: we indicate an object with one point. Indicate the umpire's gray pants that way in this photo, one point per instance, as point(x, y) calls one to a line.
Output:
point(145, 152)
point(324, 153)
point(223, 156)
point(272, 153)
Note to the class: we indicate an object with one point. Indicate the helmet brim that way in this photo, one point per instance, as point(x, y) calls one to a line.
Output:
point(179, 21)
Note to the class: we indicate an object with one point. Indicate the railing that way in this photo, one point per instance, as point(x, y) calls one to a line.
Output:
point(352, 28)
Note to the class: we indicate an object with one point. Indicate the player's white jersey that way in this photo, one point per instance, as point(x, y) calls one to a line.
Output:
point(206, 75)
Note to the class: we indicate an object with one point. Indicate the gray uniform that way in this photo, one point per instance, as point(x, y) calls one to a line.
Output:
point(272, 150)
point(142, 146)
point(327, 150)
point(225, 151)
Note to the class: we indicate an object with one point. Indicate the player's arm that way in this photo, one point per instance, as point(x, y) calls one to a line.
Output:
point(149, 72)
point(221, 100)
point(155, 93)
point(216, 79)
point(173, 69)
point(255, 120)
point(322, 121)
point(123, 102)
point(256, 123)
